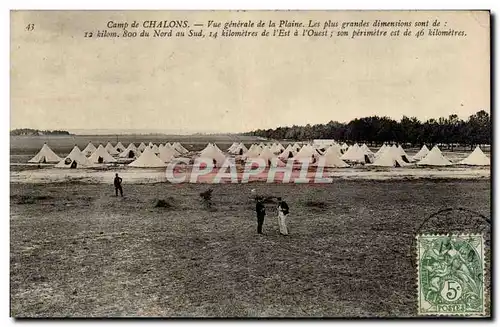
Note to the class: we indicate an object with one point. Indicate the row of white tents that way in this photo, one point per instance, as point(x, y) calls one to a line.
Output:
point(150, 155)
point(329, 155)
point(336, 155)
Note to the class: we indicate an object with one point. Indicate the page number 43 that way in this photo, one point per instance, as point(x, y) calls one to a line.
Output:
point(30, 27)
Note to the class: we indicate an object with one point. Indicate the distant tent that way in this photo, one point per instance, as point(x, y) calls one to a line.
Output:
point(169, 146)
point(148, 159)
point(253, 152)
point(89, 149)
point(421, 154)
point(335, 148)
point(369, 155)
point(296, 147)
point(101, 156)
point(287, 153)
point(45, 155)
point(434, 158)
point(279, 148)
point(390, 157)
point(207, 149)
point(75, 159)
point(267, 155)
point(332, 159)
point(381, 150)
point(403, 154)
point(141, 146)
point(344, 147)
point(232, 147)
point(213, 154)
point(180, 148)
point(111, 149)
point(119, 147)
point(356, 154)
point(239, 149)
point(130, 152)
point(366, 149)
point(476, 158)
point(167, 154)
point(155, 149)
point(306, 152)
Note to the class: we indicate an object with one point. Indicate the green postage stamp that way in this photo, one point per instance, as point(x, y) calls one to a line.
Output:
point(450, 275)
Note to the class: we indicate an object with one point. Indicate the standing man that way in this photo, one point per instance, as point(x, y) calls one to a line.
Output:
point(282, 216)
point(118, 185)
point(261, 213)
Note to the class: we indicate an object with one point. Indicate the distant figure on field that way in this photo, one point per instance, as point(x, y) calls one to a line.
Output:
point(118, 185)
point(261, 213)
point(282, 216)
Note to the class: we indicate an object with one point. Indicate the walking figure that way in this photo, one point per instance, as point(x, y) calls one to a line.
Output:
point(282, 216)
point(261, 213)
point(118, 185)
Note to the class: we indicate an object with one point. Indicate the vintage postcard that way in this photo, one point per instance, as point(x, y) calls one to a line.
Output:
point(250, 164)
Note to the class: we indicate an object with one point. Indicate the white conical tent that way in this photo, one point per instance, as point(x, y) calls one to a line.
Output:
point(390, 157)
point(344, 147)
point(267, 155)
point(275, 148)
point(306, 152)
point(240, 149)
point(155, 149)
point(45, 155)
point(141, 147)
point(89, 149)
point(207, 149)
point(476, 158)
point(381, 150)
point(100, 155)
point(434, 158)
point(403, 154)
point(170, 146)
point(288, 153)
point(421, 153)
point(354, 154)
point(119, 147)
point(167, 153)
point(111, 149)
point(75, 159)
point(335, 148)
point(180, 148)
point(369, 155)
point(131, 152)
point(253, 152)
point(148, 159)
point(280, 147)
point(332, 159)
point(150, 144)
point(366, 149)
point(232, 147)
point(210, 153)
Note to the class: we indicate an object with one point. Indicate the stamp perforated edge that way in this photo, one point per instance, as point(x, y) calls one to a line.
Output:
point(478, 314)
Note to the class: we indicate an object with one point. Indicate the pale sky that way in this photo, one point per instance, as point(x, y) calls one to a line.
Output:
point(61, 80)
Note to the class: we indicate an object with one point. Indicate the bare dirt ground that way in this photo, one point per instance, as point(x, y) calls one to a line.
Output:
point(76, 250)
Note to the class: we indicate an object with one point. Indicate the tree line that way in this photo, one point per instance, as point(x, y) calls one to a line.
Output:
point(409, 130)
point(36, 132)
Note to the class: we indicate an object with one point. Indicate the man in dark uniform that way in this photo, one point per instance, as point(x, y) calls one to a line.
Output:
point(261, 213)
point(118, 185)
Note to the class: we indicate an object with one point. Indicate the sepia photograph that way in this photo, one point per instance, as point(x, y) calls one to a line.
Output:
point(250, 164)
